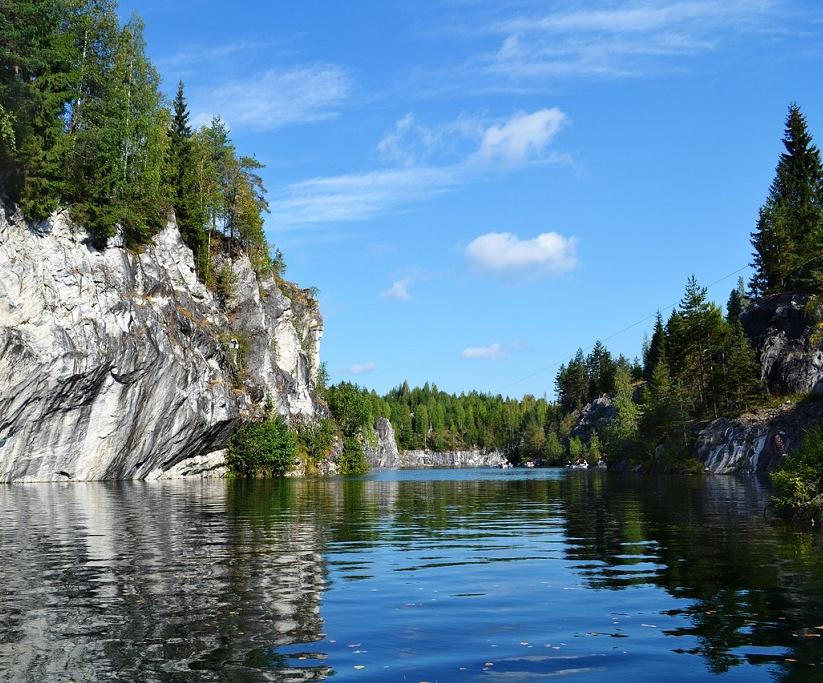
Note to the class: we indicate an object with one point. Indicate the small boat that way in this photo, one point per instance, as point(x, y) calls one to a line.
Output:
point(580, 466)
point(528, 463)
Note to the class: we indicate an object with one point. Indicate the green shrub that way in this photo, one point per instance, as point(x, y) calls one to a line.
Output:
point(353, 459)
point(798, 482)
point(261, 448)
point(317, 439)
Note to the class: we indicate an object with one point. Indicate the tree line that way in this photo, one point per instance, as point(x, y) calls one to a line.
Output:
point(84, 127)
point(697, 365)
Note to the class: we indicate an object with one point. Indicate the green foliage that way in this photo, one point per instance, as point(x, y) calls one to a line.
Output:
point(737, 303)
point(226, 281)
point(189, 211)
point(316, 440)
point(595, 453)
point(554, 449)
point(350, 407)
point(575, 449)
point(353, 459)
point(261, 448)
point(788, 240)
point(798, 482)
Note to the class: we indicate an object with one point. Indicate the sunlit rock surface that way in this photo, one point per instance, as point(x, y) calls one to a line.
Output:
point(117, 364)
point(467, 458)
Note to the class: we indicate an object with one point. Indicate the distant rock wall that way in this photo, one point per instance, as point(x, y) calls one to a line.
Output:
point(117, 364)
point(471, 458)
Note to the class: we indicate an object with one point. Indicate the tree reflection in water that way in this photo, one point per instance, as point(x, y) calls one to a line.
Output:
point(225, 580)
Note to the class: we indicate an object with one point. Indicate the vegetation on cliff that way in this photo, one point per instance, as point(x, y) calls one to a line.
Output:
point(84, 127)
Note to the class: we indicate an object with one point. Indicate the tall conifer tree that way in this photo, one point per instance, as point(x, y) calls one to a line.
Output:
point(788, 240)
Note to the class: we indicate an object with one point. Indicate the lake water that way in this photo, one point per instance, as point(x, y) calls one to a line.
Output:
point(435, 575)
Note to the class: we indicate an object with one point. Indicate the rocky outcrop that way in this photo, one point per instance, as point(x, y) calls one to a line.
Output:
point(119, 364)
point(594, 416)
point(470, 458)
point(383, 454)
point(779, 329)
point(755, 442)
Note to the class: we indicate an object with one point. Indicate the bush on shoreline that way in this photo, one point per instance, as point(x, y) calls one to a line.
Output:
point(798, 482)
point(261, 449)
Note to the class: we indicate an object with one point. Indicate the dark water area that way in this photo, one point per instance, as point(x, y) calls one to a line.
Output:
point(436, 575)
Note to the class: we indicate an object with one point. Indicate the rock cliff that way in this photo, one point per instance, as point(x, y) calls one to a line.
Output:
point(780, 329)
point(119, 364)
point(755, 442)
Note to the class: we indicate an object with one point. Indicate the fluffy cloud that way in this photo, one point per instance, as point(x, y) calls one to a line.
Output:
point(399, 291)
point(504, 253)
point(522, 137)
point(493, 351)
point(360, 368)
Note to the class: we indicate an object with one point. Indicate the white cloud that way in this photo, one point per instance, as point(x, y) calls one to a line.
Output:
point(277, 97)
point(504, 253)
point(360, 368)
point(522, 137)
point(602, 39)
point(493, 351)
point(399, 291)
point(358, 196)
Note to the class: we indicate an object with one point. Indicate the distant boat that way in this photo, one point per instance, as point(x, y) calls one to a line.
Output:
point(505, 465)
point(580, 466)
point(529, 463)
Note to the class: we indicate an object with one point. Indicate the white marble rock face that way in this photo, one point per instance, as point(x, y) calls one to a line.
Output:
point(113, 363)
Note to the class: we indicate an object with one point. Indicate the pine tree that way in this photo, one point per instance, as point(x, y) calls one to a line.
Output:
point(737, 303)
point(741, 377)
point(189, 210)
point(656, 349)
point(600, 368)
point(788, 240)
point(36, 75)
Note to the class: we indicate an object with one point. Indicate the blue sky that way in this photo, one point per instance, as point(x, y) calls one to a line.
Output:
point(478, 188)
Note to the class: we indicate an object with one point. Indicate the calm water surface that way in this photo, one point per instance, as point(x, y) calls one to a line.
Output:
point(437, 575)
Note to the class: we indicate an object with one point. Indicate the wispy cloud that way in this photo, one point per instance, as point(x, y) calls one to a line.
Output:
point(494, 351)
point(358, 196)
point(604, 39)
point(360, 368)
point(399, 291)
point(275, 97)
point(523, 138)
point(504, 253)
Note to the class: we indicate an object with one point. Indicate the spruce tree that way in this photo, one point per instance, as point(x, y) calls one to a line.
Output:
point(189, 210)
point(788, 240)
point(656, 349)
point(737, 303)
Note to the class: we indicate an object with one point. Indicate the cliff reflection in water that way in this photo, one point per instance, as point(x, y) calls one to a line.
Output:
point(147, 582)
point(225, 580)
